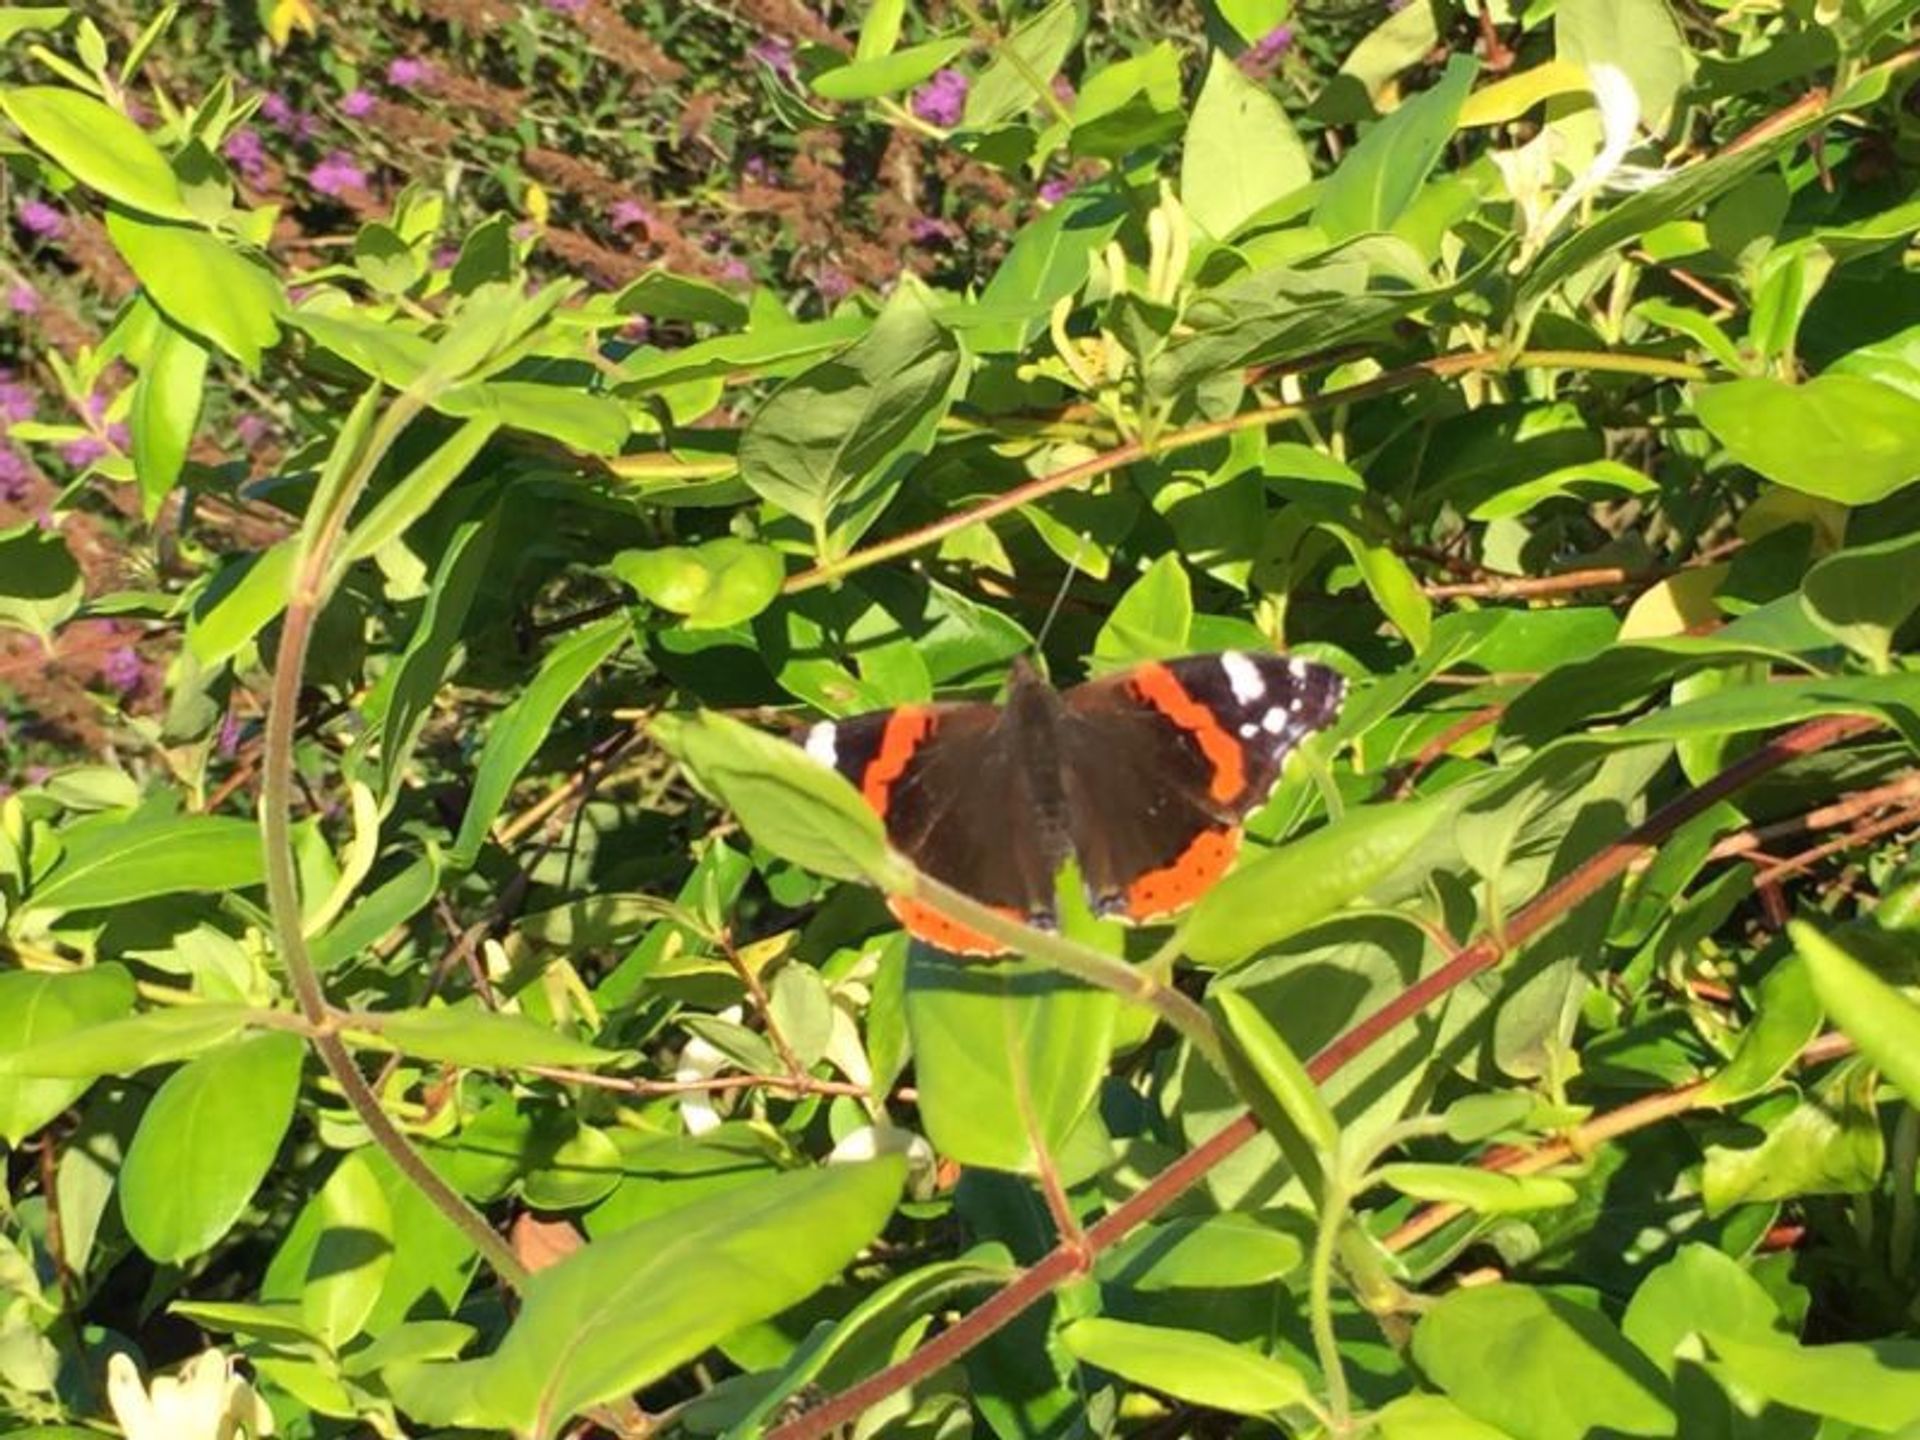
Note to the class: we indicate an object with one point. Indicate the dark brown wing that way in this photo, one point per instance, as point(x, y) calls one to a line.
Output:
point(1161, 763)
point(956, 801)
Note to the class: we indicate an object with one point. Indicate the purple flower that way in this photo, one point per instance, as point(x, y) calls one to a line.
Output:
point(357, 104)
point(932, 230)
point(250, 429)
point(227, 741)
point(22, 299)
point(84, 451)
point(566, 7)
point(278, 110)
point(337, 174)
point(626, 214)
point(445, 256)
point(942, 99)
point(17, 401)
point(1063, 90)
point(248, 154)
point(36, 217)
point(121, 669)
point(1267, 49)
point(776, 53)
point(735, 272)
point(406, 73)
point(15, 475)
point(756, 169)
point(120, 436)
point(834, 284)
point(96, 405)
point(1053, 191)
point(38, 774)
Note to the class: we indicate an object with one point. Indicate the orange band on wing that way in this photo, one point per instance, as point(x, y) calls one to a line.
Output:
point(1157, 685)
point(926, 923)
point(906, 728)
point(1184, 880)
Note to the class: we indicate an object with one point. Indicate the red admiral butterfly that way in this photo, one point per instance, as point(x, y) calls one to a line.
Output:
point(1143, 777)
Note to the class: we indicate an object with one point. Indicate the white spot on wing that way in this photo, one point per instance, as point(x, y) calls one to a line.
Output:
point(1244, 676)
point(1249, 730)
point(823, 743)
point(1296, 670)
point(1274, 721)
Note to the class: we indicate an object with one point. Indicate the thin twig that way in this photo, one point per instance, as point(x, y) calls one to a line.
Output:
point(1859, 835)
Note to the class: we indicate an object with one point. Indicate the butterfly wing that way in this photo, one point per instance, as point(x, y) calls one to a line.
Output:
point(956, 801)
point(1162, 762)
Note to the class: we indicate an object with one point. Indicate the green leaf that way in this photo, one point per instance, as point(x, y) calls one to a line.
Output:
point(1241, 153)
point(663, 295)
point(1432, 1417)
point(39, 1010)
point(1391, 583)
point(470, 1035)
point(846, 430)
point(1636, 37)
point(1189, 1365)
point(390, 906)
point(1878, 1018)
point(98, 146)
point(1538, 1367)
point(797, 808)
point(120, 1047)
point(1126, 106)
point(623, 1311)
point(230, 617)
point(521, 728)
point(886, 74)
point(166, 410)
point(1838, 436)
point(206, 1142)
point(352, 1255)
point(202, 285)
point(1272, 1078)
point(1035, 49)
point(1567, 480)
point(1285, 890)
point(1008, 1056)
point(135, 860)
point(19, 19)
point(1379, 178)
point(1865, 593)
point(1788, 1145)
point(1487, 1191)
point(1699, 1290)
point(1252, 19)
point(1789, 1016)
point(1875, 1385)
point(1207, 1252)
point(1152, 621)
point(385, 352)
point(1051, 257)
point(590, 424)
point(407, 501)
point(40, 584)
point(715, 585)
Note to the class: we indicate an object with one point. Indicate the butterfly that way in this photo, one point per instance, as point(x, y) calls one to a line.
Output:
point(1143, 777)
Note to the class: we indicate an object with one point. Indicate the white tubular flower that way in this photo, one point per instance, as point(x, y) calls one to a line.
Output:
point(702, 1060)
point(870, 1142)
point(205, 1401)
point(1619, 106)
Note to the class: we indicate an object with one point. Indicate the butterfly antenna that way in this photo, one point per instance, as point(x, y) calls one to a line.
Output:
point(1060, 597)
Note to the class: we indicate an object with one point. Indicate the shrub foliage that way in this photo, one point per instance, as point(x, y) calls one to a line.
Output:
point(431, 980)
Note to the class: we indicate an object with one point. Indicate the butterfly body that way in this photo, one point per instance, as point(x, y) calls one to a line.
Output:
point(1143, 777)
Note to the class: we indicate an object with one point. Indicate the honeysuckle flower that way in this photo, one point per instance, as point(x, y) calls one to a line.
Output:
point(1529, 170)
point(357, 104)
point(942, 100)
point(870, 1142)
point(702, 1060)
point(38, 218)
point(337, 175)
point(206, 1401)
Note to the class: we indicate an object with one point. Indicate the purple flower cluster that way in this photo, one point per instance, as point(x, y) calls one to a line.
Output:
point(15, 475)
point(337, 175)
point(279, 111)
point(357, 104)
point(17, 401)
point(251, 428)
point(248, 154)
point(40, 219)
point(1260, 56)
point(121, 670)
point(1053, 191)
point(629, 214)
point(407, 73)
point(932, 230)
point(23, 299)
point(942, 100)
point(833, 283)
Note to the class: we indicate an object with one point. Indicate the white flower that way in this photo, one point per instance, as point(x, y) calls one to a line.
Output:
point(206, 1401)
point(870, 1142)
point(702, 1060)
